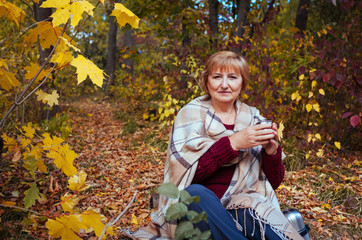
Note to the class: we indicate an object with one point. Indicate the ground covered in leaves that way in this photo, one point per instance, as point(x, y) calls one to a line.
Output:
point(122, 153)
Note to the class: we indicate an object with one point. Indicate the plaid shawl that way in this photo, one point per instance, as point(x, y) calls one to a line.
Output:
point(196, 128)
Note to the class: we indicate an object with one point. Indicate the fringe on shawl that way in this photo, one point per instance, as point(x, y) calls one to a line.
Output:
point(262, 225)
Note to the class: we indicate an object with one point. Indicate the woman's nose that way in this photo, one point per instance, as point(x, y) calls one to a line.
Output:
point(224, 83)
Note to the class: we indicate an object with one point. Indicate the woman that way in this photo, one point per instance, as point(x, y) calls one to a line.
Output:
point(218, 151)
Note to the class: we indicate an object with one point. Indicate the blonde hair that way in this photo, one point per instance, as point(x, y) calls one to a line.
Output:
point(225, 60)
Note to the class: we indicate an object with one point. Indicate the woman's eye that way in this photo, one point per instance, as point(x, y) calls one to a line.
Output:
point(233, 77)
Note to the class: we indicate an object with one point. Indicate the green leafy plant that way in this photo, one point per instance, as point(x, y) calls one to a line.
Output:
point(179, 212)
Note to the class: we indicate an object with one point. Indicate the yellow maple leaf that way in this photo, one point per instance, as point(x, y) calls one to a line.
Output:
point(8, 80)
point(310, 94)
point(321, 91)
point(124, 16)
point(9, 142)
point(295, 95)
point(69, 202)
point(92, 220)
point(308, 107)
point(12, 12)
point(66, 9)
point(320, 152)
point(337, 144)
point(63, 159)
point(51, 142)
point(134, 220)
point(48, 35)
point(29, 131)
point(77, 182)
point(24, 142)
point(50, 99)
point(69, 44)
point(62, 55)
point(64, 227)
point(280, 130)
point(33, 69)
point(4, 64)
point(40, 96)
point(314, 83)
point(41, 166)
point(316, 107)
point(86, 68)
point(318, 136)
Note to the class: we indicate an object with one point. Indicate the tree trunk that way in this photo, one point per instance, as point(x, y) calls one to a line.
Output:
point(302, 16)
point(111, 51)
point(213, 16)
point(186, 40)
point(41, 14)
point(243, 7)
point(129, 44)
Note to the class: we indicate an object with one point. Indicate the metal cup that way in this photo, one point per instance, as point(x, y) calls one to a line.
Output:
point(296, 219)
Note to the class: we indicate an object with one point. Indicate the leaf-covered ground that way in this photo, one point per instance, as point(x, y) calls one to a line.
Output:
point(122, 153)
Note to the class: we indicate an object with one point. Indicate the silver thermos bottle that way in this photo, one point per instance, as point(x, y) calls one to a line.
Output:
point(296, 219)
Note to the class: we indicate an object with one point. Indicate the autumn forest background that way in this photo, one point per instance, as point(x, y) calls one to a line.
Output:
point(89, 90)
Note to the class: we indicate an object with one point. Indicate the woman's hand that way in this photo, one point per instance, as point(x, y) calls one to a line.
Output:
point(261, 134)
point(271, 147)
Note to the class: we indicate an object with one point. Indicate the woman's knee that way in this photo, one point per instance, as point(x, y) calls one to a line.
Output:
point(199, 190)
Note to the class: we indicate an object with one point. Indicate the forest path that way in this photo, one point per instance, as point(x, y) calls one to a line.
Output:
point(116, 163)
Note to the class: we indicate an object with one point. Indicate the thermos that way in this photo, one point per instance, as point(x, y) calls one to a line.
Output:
point(296, 219)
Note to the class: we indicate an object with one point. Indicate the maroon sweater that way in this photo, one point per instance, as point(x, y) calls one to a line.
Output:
point(216, 178)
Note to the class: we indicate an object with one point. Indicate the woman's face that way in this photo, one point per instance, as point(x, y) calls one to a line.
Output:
point(224, 86)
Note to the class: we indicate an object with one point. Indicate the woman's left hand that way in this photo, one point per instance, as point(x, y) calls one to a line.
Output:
point(272, 146)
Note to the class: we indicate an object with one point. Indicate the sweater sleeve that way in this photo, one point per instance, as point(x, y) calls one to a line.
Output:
point(218, 154)
point(273, 167)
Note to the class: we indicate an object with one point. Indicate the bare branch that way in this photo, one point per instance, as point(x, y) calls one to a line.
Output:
point(111, 223)
point(24, 209)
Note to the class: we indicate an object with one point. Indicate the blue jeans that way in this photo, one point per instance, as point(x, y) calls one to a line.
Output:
point(221, 221)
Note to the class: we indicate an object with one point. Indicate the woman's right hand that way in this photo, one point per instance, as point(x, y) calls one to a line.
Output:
point(252, 136)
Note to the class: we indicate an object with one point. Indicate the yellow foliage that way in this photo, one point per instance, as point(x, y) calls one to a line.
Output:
point(308, 107)
point(77, 182)
point(318, 136)
point(8, 80)
point(92, 220)
point(50, 99)
point(64, 227)
point(320, 152)
point(12, 12)
point(86, 68)
point(321, 92)
point(66, 9)
point(69, 202)
point(134, 220)
point(316, 107)
point(9, 142)
point(33, 69)
point(280, 130)
point(63, 159)
point(124, 16)
point(337, 144)
point(48, 35)
point(29, 131)
point(41, 166)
